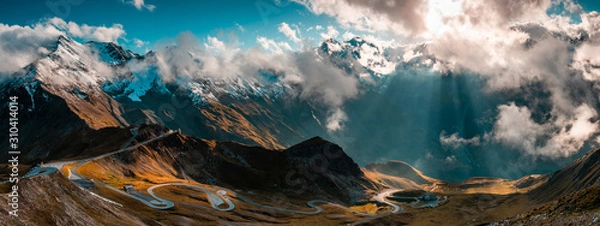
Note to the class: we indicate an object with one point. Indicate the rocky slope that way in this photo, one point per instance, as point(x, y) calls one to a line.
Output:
point(579, 175)
point(401, 169)
point(55, 200)
point(314, 168)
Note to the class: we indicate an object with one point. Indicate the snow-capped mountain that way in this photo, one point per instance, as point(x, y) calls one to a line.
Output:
point(358, 51)
point(100, 85)
point(116, 71)
point(112, 53)
point(103, 85)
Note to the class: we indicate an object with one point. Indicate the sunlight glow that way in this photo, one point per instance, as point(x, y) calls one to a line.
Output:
point(438, 11)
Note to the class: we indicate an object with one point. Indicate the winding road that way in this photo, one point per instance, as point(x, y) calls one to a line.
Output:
point(216, 200)
point(156, 204)
point(73, 175)
point(381, 197)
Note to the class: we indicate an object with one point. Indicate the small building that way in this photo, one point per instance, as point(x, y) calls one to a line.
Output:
point(128, 188)
point(428, 197)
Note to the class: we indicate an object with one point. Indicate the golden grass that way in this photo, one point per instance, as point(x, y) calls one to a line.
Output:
point(391, 181)
point(470, 210)
point(66, 168)
point(370, 208)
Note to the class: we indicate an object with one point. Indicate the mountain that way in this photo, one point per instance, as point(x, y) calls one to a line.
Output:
point(314, 168)
point(356, 55)
point(401, 169)
point(578, 208)
point(55, 200)
point(570, 196)
point(70, 90)
point(579, 175)
point(97, 85)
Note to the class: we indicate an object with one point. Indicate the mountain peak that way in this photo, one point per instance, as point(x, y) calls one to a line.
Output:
point(63, 38)
point(357, 41)
point(367, 54)
point(111, 53)
point(317, 140)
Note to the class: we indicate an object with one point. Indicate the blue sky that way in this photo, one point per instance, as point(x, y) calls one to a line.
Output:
point(169, 18)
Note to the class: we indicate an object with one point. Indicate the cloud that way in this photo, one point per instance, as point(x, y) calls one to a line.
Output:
point(215, 44)
point(513, 45)
point(331, 33)
point(307, 75)
point(503, 12)
point(516, 128)
point(336, 119)
point(21, 45)
point(454, 141)
point(139, 43)
point(87, 32)
point(562, 136)
point(587, 56)
point(322, 81)
point(240, 27)
point(399, 16)
point(273, 46)
point(587, 60)
point(289, 32)
point(348, 35)
point(140, 4)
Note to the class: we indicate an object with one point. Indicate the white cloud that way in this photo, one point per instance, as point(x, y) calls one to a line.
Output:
point(587, 60)
point(399, 16)
point(140, 4)
point(240, 27)
point(87, 32)
point(139, 43)
point(450, 159)
point(561, 136)
point(273, 46)
point(25, 44)
point(289, 32)
point(313, 79)
point(515, 128)
point(336, 119)
point(22, 45)
point(215, 44)
point(454, 141)
point(331, 33)
point(322, 81)
point(348, 35)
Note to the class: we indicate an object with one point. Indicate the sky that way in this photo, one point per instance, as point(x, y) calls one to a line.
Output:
point(539, 59)
point(158, 21)
point(245, 19)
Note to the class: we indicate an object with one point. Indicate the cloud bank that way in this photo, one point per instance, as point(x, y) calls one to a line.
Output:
point(400, 16)
point(315, 79)
point(514, 45)
point(21, 45)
